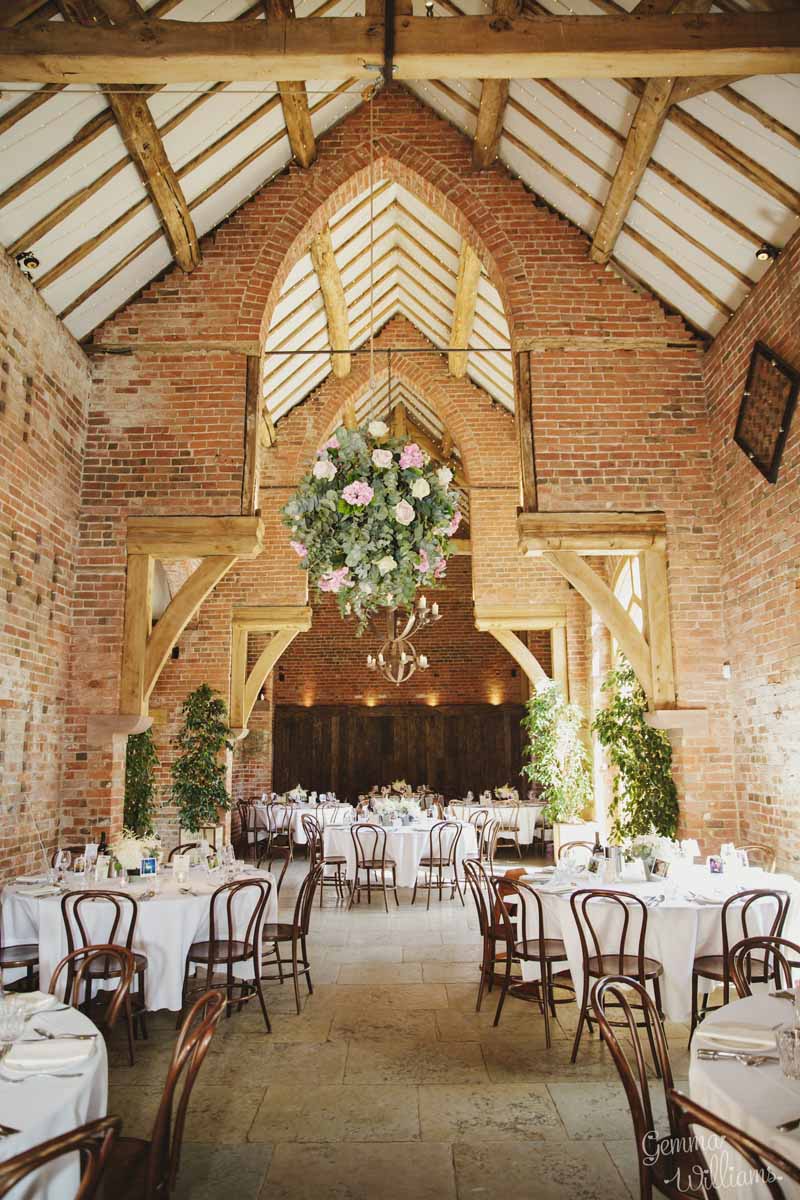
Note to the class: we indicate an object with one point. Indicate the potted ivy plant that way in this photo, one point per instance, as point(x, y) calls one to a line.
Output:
point(558, 762)
point(198, 772)
point(644, 798)
point(141, 760)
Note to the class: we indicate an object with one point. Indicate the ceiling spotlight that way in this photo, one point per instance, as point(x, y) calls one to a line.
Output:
point(27, 262)
point(765, 252)
point(428, 8)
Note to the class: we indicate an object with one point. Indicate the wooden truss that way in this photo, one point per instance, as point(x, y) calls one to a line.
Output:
point(218, 542)
point(505, 622)
point(283, 624)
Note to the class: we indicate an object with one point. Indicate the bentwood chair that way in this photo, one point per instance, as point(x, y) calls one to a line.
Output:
point(79, 964)
point(119, 913)
point(24, 957)
point(759, 855)
point(507, 814)
point(439, 867)
point(766, 1164)
point(317, 857)
point(147, 1168)
point(279, 842)
point(542, 835)
point(526, 944)
point(737, 911)
point(478, 818)
point(296, 932)
point(373, 865)
point(487, 843)
point(183, 848)
point(578, 853)
point(757, 953)
point(235, 917)
point(93, 1142)
point(479, 881)
point(662, 1161)
point(626, 939)
point(73, 851)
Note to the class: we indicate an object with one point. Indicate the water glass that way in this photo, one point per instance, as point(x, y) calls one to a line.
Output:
point(12, 1022)
point(788, 1042)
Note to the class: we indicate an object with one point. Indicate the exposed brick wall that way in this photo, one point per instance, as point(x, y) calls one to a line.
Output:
point(760, 543)
point(44, 390)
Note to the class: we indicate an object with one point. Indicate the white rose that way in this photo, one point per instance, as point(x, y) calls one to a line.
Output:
point(378, 429)
point(324, 469)
point(421, 488)
point(444, 475)
point(386, 564)
point(382, 458)
point(366, 588)
point(404, 512)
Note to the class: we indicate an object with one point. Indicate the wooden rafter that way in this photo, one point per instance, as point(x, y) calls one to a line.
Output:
point(494, 98)
point(475, 48)
point(330, 282)
point(283, 624)
point(469, 273)
point(294, 97)
point(251, 467)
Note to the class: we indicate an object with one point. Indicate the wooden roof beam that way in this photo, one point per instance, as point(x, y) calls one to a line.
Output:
point(480, 47)
point(294, 97)
point(469, 273)
point(330, 282)
point(494, 98)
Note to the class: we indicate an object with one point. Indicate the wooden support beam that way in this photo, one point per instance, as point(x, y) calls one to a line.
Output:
point(687, 89)
point(251, 467)
point(284, 624)
point(278, 643)
point(524, 617)
point(525, 657)
point(494, 98)
point(330, 282)
point(13, 12)
point(523, 417)
point(272, 618)
point(136, 631)
point(469, 273)
point(598, 343)
point(558, 655)
point(195, 537)
point(294, 97)
point(176, 346)
point(659, 637)
point(478, 47)
point(599, 533)
point(266, 431)
point(399, 423)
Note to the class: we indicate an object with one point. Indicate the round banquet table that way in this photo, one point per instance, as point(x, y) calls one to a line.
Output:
point(754, 1099)
point(167, 925)
point(342, 814)
point(528, 816)
point(406, 845)
point(43, 1108)
point(680, 926)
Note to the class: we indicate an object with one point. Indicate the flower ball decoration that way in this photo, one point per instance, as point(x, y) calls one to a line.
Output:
point(372, 522)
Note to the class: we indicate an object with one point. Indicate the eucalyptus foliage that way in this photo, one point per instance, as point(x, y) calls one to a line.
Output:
point(141, 761)
point(557, 756)
point(645, 799)
point(371, 523)
point(198, 773)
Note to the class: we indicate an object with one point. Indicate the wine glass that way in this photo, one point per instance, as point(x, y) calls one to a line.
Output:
point(12, 1023)
point(63, 862)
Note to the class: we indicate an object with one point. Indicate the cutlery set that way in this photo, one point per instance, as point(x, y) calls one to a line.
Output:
point(752, 1059)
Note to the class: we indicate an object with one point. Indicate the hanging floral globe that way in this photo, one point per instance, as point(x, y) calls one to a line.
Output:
point(372, 521)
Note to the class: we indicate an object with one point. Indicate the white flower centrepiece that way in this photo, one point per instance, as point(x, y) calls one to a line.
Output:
point(129, 849)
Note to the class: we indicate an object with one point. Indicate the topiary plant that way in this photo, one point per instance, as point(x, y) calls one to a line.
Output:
point(198, 774)
point(557, 756)
point(141, 761)
point(645, 799)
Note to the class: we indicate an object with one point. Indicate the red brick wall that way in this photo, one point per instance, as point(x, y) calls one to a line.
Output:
point(44, 389)
point(760, 545)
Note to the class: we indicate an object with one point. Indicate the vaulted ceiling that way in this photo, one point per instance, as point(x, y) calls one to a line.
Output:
point(676, 182)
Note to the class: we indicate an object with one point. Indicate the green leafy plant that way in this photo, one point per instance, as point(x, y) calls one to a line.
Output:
point(645, 799)
point(372, 521)
point(556, 754)
point(141, 761)
point(198, 773)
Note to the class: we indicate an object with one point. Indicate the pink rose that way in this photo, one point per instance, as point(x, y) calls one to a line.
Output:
point(359, 493)
point(334, 581)
point(423, 566)
point(412, 456)
point(332, 443)
point(454, 524)
point(440, 570)
point(299, 549)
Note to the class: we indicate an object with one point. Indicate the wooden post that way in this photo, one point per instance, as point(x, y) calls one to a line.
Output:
point(558, 651)
point(523, 409)
point(252, 441)
point(659, 637)
point(138, 621)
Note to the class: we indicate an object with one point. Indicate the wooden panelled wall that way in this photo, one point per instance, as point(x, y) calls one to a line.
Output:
point(348, 748)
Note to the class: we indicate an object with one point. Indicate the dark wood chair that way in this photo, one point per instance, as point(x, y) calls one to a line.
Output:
point(318, 857)
point(369, 843)
point(78, 965)
point(184, 848)
point(661, 1158)
point(523, 944)
point(439, 867)
point(509, 822)
point(628, 959)
point(716, 967)
point(773, 956)
point(226, 945)
point(123, 912)
point(767, 1164)
point(93, 1142)
point(296, 932)
point(148, 1168)
point(487, 843)
point(479, 881)
point(24, 957)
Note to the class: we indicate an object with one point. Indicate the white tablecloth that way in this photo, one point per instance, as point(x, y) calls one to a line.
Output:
point(754, 1099)
point(528, 816)
point(678, 929)
point(406, 846)
point(44, 1108)
point(342, 814)
point(166, 927)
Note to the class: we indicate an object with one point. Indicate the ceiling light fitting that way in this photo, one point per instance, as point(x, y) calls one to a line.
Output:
point(397, 659)
point(767, 253)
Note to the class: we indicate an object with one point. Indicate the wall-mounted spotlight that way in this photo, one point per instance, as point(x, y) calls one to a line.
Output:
point(428, 8)
point(27, 262)
point(767, 253)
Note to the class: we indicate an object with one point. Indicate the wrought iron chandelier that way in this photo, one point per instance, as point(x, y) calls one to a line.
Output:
point(397, 659)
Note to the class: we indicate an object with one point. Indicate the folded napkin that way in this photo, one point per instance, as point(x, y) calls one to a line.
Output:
point(43, 889)
point(736, 1037)
point(26, 880)
point(46, 1055)
point(34, 1002)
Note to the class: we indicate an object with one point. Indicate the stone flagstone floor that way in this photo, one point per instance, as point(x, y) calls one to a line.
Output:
point(389, 1085)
